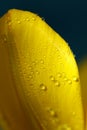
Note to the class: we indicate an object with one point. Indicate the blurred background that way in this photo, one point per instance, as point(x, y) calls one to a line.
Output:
point(68, 18)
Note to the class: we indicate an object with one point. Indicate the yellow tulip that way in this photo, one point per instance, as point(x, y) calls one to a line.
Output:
point(39, 79)
point(83, 77)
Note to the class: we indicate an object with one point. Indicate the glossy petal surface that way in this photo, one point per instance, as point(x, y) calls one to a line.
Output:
point(39, 75)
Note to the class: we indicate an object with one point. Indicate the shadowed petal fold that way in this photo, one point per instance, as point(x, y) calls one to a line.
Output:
point(83, 77)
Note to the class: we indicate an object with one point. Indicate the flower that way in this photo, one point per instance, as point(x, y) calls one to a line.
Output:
point(39, 80)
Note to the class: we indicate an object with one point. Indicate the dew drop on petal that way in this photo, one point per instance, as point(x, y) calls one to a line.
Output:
point(64, 127)
point(43, 87)
point(52, 78)
point(57, 84)
point(69, 82)
point(59, 75)
point(37, 72)
point(75, 79)
point(18, 22)
point(52, 112)
point(42, 62)
point(73, 113)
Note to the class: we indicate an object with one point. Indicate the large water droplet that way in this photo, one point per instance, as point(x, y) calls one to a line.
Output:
point(43, 87)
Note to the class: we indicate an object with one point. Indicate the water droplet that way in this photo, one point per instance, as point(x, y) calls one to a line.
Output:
point(52, 112)
point(33, 18)
point(19, 22)
point(32, 72)
point(52, 78)
point(44, 56)
point(37, 72)
point(33, 63)
point(41, 61)
point(4, 38)
point(57, 83)
point(73, 113)
point(43, 18)
point(43, 87)
point(75, 79)
point(27, 19)
point(9, 23)
point(59, 75)
point(30, 76)
point(65, 79)
point(29, 67)
point(69, 82)
point(64, 127)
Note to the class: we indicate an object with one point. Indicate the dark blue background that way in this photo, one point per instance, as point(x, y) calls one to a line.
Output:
point(68, 18)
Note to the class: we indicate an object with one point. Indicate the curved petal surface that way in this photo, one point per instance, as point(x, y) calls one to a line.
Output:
point(39, 77)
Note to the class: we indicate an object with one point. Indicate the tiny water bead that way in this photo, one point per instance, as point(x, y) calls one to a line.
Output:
point(75, 79)
point(73, 113)
point(52, 78)
point(57, 84)
point(59, 75)
point(69, 82)
point(29, 67)
point(27, 19)
point(33, 18)
point(42, 62)
point(52, 112)
point(65, 79)
point(32, 72)
point(64, 127)
point(43, 18)
point(18, 22)
point(30, 76)
point(37, 72)
point(43, 87)
point(3, 38)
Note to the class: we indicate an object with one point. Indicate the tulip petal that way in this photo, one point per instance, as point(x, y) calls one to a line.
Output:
point(40, 73)
point(83, 77)
point(3, 123)
point(10, 104)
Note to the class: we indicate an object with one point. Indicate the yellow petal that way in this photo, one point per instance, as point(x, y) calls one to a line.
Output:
point(83, 76)
point(10, 105)
point(3, 123)
point(40, 74)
